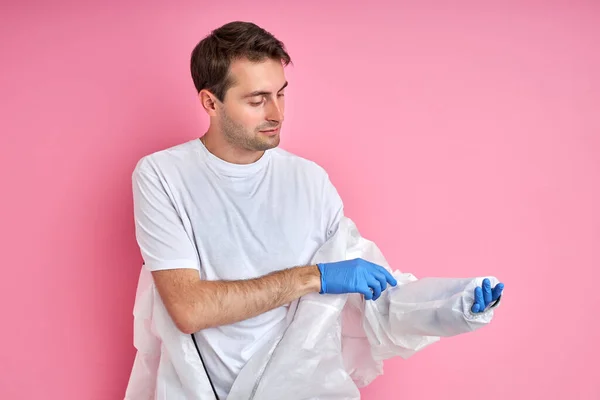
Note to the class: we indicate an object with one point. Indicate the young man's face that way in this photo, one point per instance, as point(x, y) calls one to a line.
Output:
point(251, 114)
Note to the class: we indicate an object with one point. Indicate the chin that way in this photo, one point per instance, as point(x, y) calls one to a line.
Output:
point(270, 142)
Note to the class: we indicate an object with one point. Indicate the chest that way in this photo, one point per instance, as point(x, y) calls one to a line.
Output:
point(247, 229)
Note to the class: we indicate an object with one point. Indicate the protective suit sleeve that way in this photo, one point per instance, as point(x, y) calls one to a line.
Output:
point(160, 233)
point(418, 312)
point(406, 318)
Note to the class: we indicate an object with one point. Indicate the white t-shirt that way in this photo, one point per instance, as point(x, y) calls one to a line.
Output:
point(230, 221)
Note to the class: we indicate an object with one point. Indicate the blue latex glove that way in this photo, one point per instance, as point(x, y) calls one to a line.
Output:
point(485, 295)
point(355, 276)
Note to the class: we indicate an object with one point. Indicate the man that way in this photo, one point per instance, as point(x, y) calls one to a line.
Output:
point(229, 222)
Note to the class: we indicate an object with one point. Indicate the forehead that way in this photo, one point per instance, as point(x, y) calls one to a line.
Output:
point(263, 75)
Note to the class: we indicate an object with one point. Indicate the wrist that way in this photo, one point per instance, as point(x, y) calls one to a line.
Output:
point(310, 279)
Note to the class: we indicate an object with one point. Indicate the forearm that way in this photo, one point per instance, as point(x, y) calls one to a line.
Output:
point(215, 303)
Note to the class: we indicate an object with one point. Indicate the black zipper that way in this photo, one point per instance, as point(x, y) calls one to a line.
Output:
point(204, 365)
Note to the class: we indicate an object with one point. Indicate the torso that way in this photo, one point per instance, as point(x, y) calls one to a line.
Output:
point(246, 221)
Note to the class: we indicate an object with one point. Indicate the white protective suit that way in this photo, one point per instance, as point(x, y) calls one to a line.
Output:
point(331, 346)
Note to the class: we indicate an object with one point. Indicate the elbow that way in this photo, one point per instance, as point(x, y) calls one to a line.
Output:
point(185, 327)
point(186, 323)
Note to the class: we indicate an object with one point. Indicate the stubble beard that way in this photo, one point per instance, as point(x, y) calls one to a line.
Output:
point(240, 137)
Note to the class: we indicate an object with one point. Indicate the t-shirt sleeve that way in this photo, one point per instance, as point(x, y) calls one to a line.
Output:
point(333, 208)
point(159, 230)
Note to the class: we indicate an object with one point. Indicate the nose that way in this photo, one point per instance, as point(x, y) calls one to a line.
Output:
point(275, 111)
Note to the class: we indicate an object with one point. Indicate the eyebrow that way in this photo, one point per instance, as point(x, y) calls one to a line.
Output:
point(264, 92)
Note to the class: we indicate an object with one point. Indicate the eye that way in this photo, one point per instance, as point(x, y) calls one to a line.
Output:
point(280, 94)
point(257, 103)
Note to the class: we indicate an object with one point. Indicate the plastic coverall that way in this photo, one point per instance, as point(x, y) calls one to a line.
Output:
point(331, 346)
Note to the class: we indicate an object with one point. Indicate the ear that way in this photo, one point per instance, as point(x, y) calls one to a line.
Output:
point(208, 101)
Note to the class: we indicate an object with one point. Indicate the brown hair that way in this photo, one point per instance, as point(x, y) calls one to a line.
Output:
point(213, 55)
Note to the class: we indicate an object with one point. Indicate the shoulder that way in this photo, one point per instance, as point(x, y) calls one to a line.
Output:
point(162, 161)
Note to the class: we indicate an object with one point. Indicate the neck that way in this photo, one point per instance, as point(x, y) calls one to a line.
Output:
point(216, 144)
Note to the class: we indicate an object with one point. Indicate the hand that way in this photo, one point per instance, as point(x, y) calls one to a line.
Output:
point(355, 276)
point(484, 295)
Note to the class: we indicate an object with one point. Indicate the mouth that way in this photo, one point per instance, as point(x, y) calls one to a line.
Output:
point(270, 132)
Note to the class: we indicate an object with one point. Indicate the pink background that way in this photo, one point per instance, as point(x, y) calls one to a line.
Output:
point(464, 139)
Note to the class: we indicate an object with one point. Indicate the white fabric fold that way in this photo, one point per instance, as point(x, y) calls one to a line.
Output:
point(331, 346)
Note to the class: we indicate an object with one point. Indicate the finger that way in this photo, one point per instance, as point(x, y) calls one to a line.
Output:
point(475, 308)
point(365, 290)
point(375, 285)
point(487, 291)
point(381, 279)
point(388, 277)
point(479, 299)
point(497, 292)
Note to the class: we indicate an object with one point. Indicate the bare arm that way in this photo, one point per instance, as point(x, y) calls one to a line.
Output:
point(195, 304)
